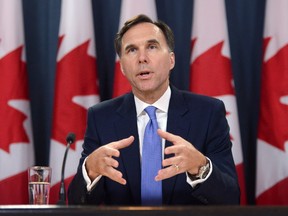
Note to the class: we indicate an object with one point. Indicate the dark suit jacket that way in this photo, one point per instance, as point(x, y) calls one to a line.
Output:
point(198, 119)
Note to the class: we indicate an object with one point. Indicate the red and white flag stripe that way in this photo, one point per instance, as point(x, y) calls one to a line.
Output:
point(272, 142)
point(129, 9)
point(16, 140)
point(76, 87)
point(211, 70)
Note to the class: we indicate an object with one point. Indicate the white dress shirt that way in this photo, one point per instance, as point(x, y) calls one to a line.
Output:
point(162, 105)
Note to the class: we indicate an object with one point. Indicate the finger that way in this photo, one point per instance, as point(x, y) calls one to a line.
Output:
point(122, 143)
point(115, 175)
point(167, 172)
point(169, 136)
point(111, 162)
point(175, 149)
point(109, 151)
point(170, 161)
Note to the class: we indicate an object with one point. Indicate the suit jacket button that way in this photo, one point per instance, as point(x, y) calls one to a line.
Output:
point(203, 199)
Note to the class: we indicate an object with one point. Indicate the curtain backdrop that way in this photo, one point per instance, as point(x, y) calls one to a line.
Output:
point(245, 26)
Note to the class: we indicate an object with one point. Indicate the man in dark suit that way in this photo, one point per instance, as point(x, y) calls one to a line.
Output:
point(197, 166)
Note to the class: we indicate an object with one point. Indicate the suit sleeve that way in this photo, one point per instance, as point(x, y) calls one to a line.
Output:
point(222, 185)
point(77, 191)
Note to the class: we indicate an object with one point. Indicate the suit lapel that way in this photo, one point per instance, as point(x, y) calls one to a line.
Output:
point(125, 127)
point(178, 125)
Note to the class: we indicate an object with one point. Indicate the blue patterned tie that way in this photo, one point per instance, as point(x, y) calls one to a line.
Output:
point(151, 190)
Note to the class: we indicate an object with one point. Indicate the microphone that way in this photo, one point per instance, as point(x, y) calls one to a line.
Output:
point(62, 192)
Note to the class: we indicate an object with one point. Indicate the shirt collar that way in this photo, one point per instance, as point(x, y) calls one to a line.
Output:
point(161, 104)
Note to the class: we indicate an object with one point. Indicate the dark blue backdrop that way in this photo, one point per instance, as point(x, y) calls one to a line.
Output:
point(245, 25)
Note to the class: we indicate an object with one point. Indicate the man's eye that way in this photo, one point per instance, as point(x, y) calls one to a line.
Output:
point(131, 50)
point(152, 46)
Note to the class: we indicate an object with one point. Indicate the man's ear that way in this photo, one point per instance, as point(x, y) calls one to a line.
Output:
point(172, 60)
point(121, 68)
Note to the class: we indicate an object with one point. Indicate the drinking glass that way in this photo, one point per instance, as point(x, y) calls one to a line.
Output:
point(39, 180)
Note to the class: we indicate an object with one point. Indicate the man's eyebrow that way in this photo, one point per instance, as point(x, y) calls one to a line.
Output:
point(151, 41)
point(154, 41)
point(128, 47)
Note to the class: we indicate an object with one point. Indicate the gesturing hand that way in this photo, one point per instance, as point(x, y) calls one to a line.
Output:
point(186, 157)
point(100, 161)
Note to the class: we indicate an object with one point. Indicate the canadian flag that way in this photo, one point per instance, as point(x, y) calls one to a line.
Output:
point(211, 70)
point(272, 142)
point(16, 141)
point(129, 9)
point(76, 87)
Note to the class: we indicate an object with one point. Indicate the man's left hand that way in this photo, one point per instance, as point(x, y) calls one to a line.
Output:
point(186, 157)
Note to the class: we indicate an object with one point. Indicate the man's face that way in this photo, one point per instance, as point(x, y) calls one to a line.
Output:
point(146, 60)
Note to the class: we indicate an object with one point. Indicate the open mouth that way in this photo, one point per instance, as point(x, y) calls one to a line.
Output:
point(144, 73)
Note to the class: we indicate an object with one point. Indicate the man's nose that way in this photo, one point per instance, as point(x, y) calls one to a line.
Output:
point(143, 58)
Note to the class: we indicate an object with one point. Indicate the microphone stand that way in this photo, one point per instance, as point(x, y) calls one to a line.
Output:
point(62, 192)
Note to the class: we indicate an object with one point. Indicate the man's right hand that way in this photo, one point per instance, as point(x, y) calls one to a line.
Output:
point(100, 161)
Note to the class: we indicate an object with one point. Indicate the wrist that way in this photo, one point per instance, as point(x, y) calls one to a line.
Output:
point(91, 174)
point(202, 171)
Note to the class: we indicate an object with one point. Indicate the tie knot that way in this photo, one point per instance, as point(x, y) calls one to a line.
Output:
point(151, 111)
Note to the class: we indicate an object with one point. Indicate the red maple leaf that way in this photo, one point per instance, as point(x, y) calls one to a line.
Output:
point(273, 122)
point(13, 189)
point(227, 114)
point(121, 84)
point(76, 76)
point(13, 84)
point(276, 195)
point(210, 72)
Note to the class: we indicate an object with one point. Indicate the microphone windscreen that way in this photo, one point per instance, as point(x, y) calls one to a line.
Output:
point(70, 137)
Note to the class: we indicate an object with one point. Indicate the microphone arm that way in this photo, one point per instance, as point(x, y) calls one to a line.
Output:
point(62, 192)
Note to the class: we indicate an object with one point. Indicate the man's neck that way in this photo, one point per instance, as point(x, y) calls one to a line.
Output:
point(150, 97)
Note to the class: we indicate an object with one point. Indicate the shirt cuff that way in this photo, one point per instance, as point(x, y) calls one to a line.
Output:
point(89, 185)
point(198, 181)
